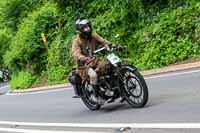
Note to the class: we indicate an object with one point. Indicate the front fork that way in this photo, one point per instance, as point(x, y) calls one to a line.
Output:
point(120, 70)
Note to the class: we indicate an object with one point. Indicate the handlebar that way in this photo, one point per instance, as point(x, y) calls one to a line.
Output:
point(107, 48)
point(99, 50)
point(110, 48)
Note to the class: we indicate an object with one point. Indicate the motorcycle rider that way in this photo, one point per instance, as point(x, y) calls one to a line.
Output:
point(82, 50)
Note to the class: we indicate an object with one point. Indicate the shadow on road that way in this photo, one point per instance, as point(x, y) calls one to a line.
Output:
point(119, 107)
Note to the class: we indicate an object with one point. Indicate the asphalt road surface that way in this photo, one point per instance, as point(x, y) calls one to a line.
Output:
point(173, 98)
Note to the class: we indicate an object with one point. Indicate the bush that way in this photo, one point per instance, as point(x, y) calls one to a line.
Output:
point(22, 80)
point(5, 40)
point(56, 73)
point(13, 11)
point(172, 36)
point(58, 59)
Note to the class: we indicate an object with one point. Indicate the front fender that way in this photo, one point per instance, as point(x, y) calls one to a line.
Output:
point(129, 67)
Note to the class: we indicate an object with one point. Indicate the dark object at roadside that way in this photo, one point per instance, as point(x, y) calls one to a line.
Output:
point(6, 75)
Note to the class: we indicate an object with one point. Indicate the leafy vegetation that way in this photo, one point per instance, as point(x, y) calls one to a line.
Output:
point(157, 33)
point(22, 80)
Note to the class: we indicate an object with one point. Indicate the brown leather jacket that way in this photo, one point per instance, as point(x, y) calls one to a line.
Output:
point(84, 47)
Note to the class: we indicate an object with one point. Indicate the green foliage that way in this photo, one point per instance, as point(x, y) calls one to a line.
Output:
point(56, 69)
point(5, 40)
point(56, 73)
point(169, 38)
point(22, 80)
point(120, 17)
point(13, 11)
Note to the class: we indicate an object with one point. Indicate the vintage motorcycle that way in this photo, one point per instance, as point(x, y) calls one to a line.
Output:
point(124, 81)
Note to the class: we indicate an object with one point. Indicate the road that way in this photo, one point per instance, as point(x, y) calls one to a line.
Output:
point(173, 98)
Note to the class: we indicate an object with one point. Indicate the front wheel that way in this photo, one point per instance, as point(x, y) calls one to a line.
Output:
point(135, 88)
point(89, 94)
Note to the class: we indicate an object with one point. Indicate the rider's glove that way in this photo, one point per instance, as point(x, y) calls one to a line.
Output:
point(89, 60)
point(86, 60)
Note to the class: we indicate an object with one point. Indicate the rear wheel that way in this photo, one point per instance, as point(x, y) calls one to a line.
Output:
point(89, 94)
point(135, 88)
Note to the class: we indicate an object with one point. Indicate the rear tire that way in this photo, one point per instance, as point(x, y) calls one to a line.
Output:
point(135, 90)
point(88, 91)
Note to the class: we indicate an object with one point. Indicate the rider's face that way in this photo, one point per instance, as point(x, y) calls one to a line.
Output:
point(86, 28)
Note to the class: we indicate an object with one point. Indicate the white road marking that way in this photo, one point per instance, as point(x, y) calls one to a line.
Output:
point(107, 125)
point(37, 92)
point(172, 74)
point(41, 131)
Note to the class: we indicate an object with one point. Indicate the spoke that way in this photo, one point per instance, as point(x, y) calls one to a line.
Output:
point(131, 91)
point(132, 98)
point(135, 92)
point(138, 91)
point(140, 99)
point(137, 101)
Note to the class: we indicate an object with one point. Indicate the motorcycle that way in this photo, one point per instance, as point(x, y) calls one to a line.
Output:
point(119, 81)
point(6, 76)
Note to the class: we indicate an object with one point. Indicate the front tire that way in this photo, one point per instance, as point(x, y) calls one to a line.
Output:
point(135, 88)
point(88, 92)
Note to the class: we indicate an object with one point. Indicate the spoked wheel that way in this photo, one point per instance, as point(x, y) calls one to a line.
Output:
point(89, 95)
point(136, 91)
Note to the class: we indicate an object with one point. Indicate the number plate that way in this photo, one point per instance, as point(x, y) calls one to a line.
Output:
point(113, 58)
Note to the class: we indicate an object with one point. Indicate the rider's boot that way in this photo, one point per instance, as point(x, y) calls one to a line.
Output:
point(77, 91)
